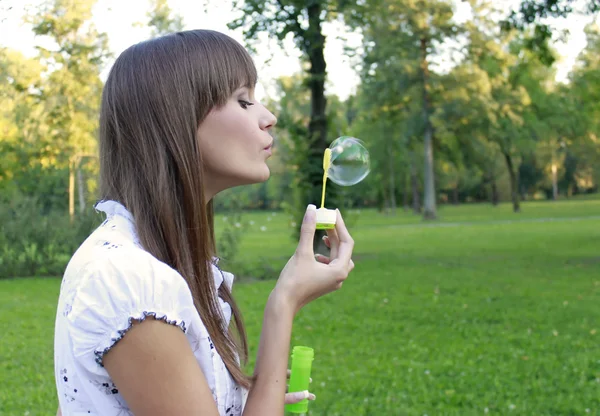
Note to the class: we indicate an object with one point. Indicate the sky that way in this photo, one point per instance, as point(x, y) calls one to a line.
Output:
point(117, 18)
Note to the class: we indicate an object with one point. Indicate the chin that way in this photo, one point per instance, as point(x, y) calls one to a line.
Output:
point(264, 175)
point(258, 176)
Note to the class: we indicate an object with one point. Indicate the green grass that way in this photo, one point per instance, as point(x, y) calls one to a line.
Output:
point(484, 310)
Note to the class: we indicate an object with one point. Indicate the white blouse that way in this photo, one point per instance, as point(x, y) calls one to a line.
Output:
point(110, 281)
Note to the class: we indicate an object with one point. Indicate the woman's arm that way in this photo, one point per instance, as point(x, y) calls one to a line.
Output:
point(302, 280)
point(156, 372)
point(270, 372)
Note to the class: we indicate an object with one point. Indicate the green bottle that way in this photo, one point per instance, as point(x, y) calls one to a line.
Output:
point(302, 358)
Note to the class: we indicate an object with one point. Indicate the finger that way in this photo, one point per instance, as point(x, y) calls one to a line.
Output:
point(326, 241)
point(346, 245)
point(334, 242)
point(322, 259)
point(307, 231)
point(291, 398)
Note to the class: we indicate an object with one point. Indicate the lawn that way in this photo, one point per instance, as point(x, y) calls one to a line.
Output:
point(482, 312)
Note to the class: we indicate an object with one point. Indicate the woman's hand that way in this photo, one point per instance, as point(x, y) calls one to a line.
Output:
point(298, 396)
point(324, 259)
point(305, 279)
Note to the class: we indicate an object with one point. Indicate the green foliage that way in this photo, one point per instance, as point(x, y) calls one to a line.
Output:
point(35, 242)
point(50, 107)
point(71, 94)
point(444, 318)
point(533, 14)
point(162, 20)
point(229, 228)
point(304, 22)
point(292, 140)
point(400, 40)
point(584, 98)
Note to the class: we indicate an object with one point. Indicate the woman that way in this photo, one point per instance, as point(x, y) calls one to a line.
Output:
point(143, 320)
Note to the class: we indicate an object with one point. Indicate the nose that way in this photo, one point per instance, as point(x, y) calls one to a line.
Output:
point(268, 120)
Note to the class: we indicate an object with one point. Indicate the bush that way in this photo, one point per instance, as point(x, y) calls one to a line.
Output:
point(38, 243)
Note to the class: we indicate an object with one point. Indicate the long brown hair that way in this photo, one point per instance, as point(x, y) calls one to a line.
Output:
point(156, 96)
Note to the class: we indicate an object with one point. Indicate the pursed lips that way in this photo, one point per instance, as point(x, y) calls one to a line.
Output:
point(269, 146)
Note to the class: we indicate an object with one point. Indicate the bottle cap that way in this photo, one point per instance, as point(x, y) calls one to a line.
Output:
point(303, 353)
point(326, 218)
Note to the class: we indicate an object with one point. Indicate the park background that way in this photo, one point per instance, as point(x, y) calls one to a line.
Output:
point(477, 283)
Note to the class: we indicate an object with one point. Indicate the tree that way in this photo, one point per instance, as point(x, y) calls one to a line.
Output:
point(388, 102)
point(71, 93)
point(416, 31)
point(20, 115)
point(487, 100)
point(302, 20)
point(529, 18)
point(293, 115)
point(162, 20)
point(584, 99)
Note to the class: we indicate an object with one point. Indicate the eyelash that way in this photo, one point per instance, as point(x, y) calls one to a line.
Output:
point(245, 104)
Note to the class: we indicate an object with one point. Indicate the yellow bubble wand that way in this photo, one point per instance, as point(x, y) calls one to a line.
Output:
point(326, 163)
point(325, 217)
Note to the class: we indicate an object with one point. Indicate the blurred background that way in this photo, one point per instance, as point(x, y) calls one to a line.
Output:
point(477, 231)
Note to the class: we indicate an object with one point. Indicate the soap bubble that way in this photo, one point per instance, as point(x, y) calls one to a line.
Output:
point(350, 161)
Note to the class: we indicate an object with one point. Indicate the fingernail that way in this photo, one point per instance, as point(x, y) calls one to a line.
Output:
point(324, 237)
point(311, 212)
point(311, 396)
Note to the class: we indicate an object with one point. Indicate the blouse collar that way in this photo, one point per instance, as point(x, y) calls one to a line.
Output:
point(114, 208)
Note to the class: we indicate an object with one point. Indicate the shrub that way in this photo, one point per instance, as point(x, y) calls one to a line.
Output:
point(38, 243)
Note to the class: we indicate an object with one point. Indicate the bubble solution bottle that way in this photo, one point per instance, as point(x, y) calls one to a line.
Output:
point(302, 358)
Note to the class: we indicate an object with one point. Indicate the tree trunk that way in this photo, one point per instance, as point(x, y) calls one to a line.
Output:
point(554, 182)
point(81, 190)
point(416, 202)
point(406, 192)
point(429, 211)
point(263, 196)
point(314, 44)
point(495, 197)
point(71, 190)
point(382, 202)
point(455, 195)
point(514, 185)
point(392, 182)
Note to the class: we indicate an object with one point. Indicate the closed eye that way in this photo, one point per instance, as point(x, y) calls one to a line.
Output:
point(245, 104)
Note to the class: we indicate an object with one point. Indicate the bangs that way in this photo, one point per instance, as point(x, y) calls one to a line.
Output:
point(224, 66)
point(239, 70)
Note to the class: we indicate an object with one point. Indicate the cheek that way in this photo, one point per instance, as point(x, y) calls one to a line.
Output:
point(228, 142)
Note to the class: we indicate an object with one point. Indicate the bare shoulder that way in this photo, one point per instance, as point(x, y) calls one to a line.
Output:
point(155, 370)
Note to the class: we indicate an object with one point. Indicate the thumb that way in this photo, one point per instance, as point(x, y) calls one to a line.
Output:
point(307, 231)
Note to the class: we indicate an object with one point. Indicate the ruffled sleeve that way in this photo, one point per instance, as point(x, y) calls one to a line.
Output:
point(117, 289)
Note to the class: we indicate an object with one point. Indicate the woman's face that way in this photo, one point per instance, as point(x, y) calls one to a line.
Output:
point(235, 143)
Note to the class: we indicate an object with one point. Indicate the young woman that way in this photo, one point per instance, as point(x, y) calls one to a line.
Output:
point(143, 319)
